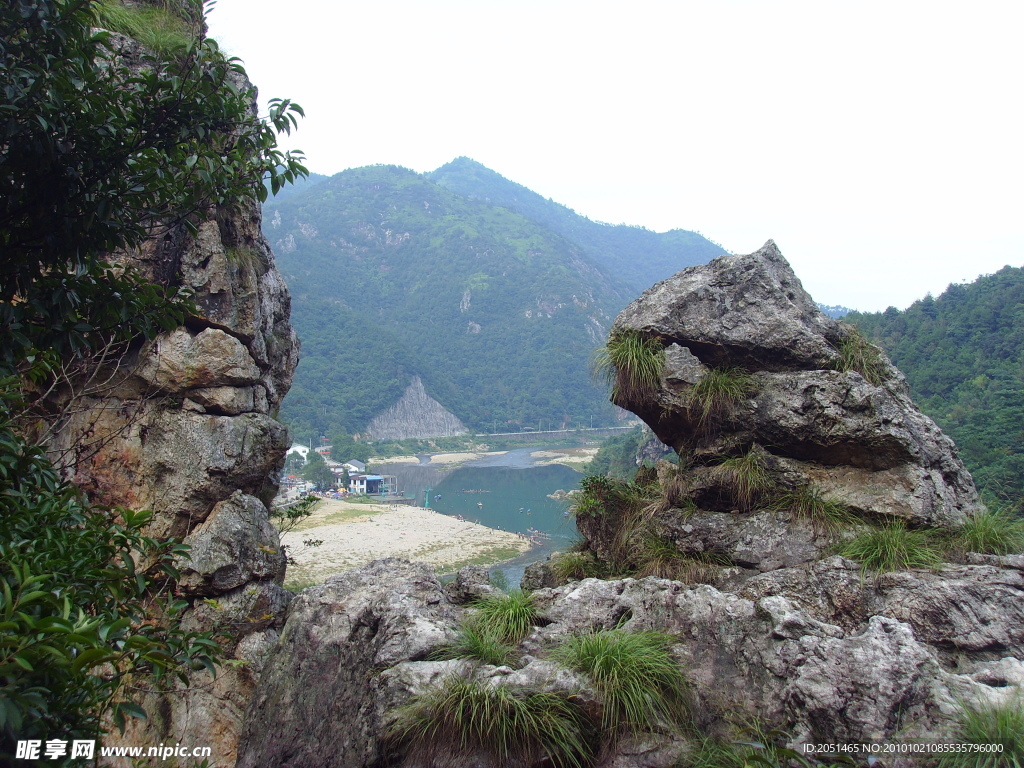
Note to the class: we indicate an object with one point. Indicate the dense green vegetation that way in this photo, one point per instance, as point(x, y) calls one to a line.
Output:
point(963, 356)
point(393, 276)
point(97, 158)
point(617, 455)
point(634, 256)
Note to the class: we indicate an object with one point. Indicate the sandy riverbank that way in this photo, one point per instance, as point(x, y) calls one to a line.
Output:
point(576, 458)
point(355, 534)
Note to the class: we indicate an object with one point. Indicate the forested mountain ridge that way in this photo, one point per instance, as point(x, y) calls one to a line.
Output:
point(393, 276)
point(963, 356)
point(635, 256)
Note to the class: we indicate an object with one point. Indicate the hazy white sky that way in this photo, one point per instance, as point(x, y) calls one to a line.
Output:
point(878, 143)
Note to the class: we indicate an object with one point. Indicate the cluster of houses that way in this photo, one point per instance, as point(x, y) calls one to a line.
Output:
point(359, 483)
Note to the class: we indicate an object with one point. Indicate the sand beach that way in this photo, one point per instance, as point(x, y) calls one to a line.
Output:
point(353, 534)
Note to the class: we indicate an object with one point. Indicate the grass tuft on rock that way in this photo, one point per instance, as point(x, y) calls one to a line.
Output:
point(642, 687)
point(476, 643)
point(991, 532)
point(893, 547)
point(573, 566)
point(718, 392)
point(632, 364)
point(155, 25)
point(508, 617)
point(858, 354)
point(460, 719)
point(989, 724)
point(808, 503)
point(660, 557)
point(746, 477)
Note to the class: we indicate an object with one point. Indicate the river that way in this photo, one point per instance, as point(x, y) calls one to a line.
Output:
point(509, 491)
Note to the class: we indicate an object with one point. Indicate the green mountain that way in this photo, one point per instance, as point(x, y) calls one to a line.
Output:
point(963, 355)
point(395, 277)
point(634, 256)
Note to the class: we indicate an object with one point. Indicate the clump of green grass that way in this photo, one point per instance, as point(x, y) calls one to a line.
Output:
point(714, 753)
point(572, 566)
point(746, 477)
point(660, 557)
point(718, 392)
point(996, 724)
point(460, 719)
point(632, 364)
point(858, 354)
point(808, 503)
point(995, 532)
point(477, 643)
point(509, 617)
point(640, 684)
point(154, 25)
point(893, 547)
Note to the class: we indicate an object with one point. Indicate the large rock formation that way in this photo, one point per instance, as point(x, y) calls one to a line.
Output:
point(817, 419)
point(822, 651)
point(185, 425)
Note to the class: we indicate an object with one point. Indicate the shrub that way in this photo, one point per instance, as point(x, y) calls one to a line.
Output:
point(508, 617)
point(661, 558)
point(1001, 724)
point(746, 477)
point(632, 364)
point(858, 354)
point(892, 547)
point(995, 532)
point(476, 642)
point(450, 724)
point(808, 503)
point(718, 392)
point(641, 685)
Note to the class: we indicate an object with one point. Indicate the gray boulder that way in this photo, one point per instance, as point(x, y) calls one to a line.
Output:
point(864, 444)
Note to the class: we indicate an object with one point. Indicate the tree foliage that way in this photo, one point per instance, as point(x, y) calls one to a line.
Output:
point(394, 276)
point(85, 603)
point(963, 356)
point(104, 144)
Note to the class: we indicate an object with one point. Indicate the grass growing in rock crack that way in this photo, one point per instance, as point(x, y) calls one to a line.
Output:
point(632, 364)
point(894, 547)
point(718, 392)
point(475, 642)
point(746, 477)
point(858, 354)
point(641, 685)
point(455, 721)
point(808, 503)
point(991, 532)
point(509, 617)
point(1001, 724)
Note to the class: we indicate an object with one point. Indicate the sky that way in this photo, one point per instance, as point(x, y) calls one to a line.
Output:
point(878, 143)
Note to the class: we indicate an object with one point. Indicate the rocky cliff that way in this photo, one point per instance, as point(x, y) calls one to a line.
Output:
point(184, 425)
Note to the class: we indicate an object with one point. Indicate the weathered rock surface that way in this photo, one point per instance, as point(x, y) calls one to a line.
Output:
point(317, 704)
point(849, 662)
point(184, 425)
point(864, 444)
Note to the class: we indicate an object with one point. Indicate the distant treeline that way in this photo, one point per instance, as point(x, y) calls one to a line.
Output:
point(963, 356)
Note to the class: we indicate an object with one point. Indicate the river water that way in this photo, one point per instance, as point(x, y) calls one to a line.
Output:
point(509, 491)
